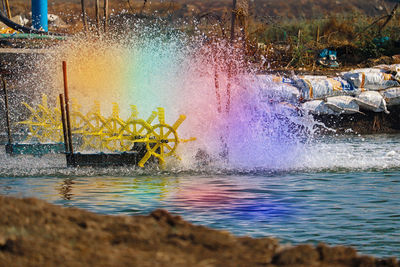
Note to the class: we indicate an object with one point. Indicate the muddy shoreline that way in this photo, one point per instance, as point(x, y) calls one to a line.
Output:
point(36, 233)
point(367, 122)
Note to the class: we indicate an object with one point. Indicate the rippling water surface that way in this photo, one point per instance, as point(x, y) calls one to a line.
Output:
point(342, 190)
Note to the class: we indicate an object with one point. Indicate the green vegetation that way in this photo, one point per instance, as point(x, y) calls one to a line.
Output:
point(356, 38)
point(290, 34)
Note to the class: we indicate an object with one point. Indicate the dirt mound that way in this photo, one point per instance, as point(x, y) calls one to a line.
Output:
point(35, 233)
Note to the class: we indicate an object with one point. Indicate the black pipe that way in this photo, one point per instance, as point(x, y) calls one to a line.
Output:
point(4, 4)
point(24, 29)
point(233, 20)
point(62, 105)
point(84, 20)
point(7, 111)
point(105, 15)
point(97, 11)
point(67, 113)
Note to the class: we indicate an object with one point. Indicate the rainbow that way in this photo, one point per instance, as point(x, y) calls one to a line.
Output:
point(204, 80)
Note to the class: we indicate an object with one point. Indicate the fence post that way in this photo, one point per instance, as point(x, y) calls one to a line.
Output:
point(67, 113)
point(6, 108)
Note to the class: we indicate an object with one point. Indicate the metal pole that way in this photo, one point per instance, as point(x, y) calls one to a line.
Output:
point(233, 21)
point(7, 111)
point(4, 5)
point(70, 147)
point(8, 9)
point(39, 15)
point(62, 105)
point(228, 86)
point(84, 21)
point(97, 11)
point(216, 85)
point(105, 15)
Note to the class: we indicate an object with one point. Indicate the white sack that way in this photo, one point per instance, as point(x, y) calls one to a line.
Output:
point(325, 87)
point(391, 96)
point(277, 88)
point(376, 69)
point(372, 100)
point(317, 107)
point(371, 80)
point(390, 68)
point(333, 106)
point(343, 104)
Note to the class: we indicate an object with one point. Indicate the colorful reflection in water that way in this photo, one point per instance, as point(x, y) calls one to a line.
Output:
point(298, 208)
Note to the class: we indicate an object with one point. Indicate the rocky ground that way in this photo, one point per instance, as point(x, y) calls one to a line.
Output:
point(35, 233)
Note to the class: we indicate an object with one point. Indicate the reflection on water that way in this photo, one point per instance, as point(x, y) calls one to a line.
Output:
point(325, 154)
point(342, 190)
point(358, 209)
point(66, 188)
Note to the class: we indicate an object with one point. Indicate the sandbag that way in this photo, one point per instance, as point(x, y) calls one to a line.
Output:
point(391, 96)
point(372, 100)
point(394, 69)
point(376, 69)
point(313, 77)
point(371, 80)
point(317, 107)
point(389, 68)
point(332, 106)
point(281, 90)
point(289, 92)
point(318, 88)
point(280, 79)
point(343, 104)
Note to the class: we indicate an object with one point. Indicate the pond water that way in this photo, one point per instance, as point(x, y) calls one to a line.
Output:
point(342, 191)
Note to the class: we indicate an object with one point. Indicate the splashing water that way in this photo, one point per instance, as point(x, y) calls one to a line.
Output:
point(249, 138)
point(208, 81)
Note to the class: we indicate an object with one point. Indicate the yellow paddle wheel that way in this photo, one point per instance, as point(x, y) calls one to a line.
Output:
point(93, 131)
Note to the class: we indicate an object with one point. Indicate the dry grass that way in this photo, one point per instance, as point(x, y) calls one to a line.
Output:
point(290, 39)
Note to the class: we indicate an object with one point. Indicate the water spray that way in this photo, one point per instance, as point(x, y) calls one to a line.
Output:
point(153, 67)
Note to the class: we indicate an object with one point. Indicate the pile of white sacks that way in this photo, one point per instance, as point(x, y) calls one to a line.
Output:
point(371, 89)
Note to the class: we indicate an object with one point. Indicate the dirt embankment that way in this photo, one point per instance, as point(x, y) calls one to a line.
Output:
point(35, 233)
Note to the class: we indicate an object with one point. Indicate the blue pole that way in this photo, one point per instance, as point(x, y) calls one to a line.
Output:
point(39, 15)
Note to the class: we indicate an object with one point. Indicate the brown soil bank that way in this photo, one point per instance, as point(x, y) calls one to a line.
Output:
point(35, 233)
point(367, 122)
